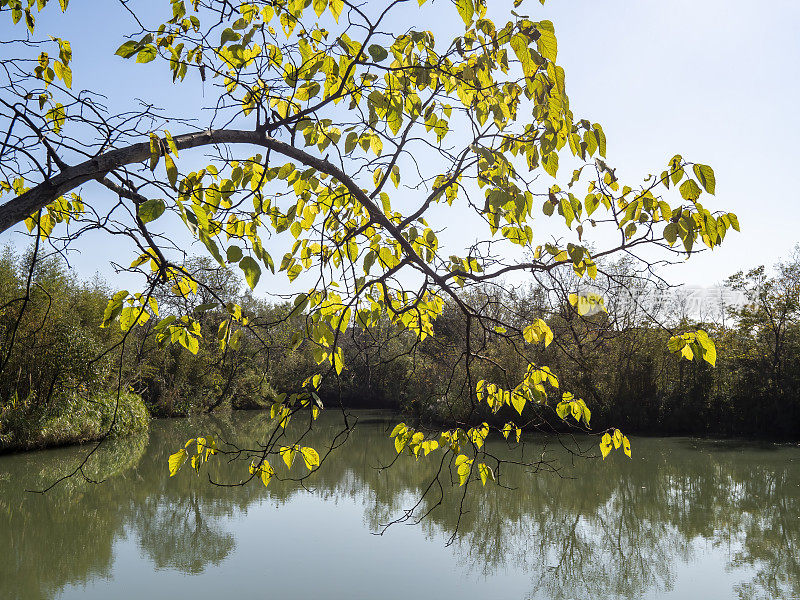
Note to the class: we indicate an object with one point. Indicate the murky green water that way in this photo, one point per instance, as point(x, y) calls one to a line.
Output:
point(684, 519)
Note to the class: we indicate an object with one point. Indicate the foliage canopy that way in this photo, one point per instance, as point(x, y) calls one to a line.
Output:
point(336, 152)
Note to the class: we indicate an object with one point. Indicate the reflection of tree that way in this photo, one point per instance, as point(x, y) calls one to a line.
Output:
point(770, 536)
point(178, 534)
point(67, 535)
point(617, 528)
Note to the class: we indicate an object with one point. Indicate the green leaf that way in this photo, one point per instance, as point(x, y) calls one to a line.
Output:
point(252, 270)
point(550, 163)
point(350, 142)
point(378, 53)
point(234, 254)
point(155, 150)
point(690, 190)
point(547, 45)
point(338, 361)
point(466, 9)
point(671, 233)
point(146, 54)
point(601, 139)
point(705, 175)
point(127, 49)
point(567, 211)
point(395, 176)
point(519, 44)
point(113, 308)
point(56, 117)
point(209, 243)
point(150, 210)
point(172, 170)
point(191, 343)
point(228, 35)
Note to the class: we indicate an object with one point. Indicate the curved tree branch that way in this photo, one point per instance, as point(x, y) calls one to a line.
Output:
point(21, 207)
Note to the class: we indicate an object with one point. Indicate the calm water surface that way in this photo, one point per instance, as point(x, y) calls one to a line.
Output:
point(684, 519)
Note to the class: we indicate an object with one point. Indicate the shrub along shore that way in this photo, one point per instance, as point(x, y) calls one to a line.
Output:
point(71, 420)
point(60, 371)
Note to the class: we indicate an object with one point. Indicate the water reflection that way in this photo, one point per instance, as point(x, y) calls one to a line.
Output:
point(618, 529)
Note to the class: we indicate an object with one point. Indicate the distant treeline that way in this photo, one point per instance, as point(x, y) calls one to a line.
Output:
point(61, 374)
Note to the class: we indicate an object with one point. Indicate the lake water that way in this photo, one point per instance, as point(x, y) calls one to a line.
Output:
point(684, 519)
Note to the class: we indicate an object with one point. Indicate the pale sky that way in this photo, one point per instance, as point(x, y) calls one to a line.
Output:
point(714, 80)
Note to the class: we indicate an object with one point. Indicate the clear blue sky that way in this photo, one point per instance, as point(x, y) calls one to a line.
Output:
point(714, 80)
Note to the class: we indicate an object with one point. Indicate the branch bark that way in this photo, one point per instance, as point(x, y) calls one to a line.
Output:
point(20, 208)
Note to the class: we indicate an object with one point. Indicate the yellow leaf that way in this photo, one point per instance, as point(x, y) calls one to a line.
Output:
point(466, 9)
point(617, 438)
point(266, 475)
point(626, 445)
point(265, 471)
point(587, 414)
point(563, 409)
point(287, 453)
point(336, 7)
point(400, 442)
point(485, 472)
point(518, 401)
point(155, 150)
point(172, 170)
point(337, 360)
point(398, 429)
point(210, 446)
point(605, 445)
point(311, 457)
point(176, 460)
point(463, 467)
point(429, 446)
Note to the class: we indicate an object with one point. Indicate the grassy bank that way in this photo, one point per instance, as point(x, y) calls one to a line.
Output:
point(73, 420)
